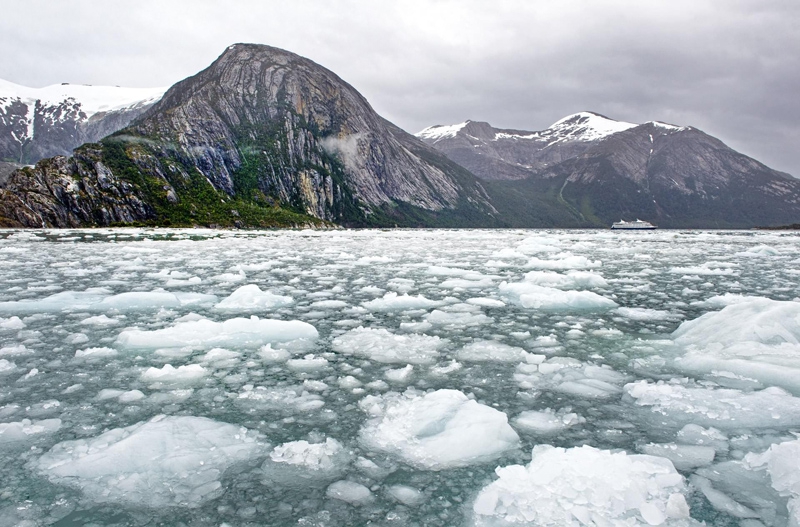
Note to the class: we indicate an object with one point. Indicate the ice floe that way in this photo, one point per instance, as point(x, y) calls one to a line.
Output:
point(178, 461)
point(757, 338)
point(381, 345)
point(427, 431)
point(251, 298)
point(246, 332)
point(584, 486)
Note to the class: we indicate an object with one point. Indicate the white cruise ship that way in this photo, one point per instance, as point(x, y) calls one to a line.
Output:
point(637, 225)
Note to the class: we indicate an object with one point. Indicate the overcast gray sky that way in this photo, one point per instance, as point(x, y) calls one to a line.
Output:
point(728, 67)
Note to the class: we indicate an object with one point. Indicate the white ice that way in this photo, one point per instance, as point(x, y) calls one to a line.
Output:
point(532, 296)
point(427, 431)
point(756, 338)
point(251, 298)
point(381, 345)
point(491, 351)
point(244, 332)
point(584, 486)
point(178, 461)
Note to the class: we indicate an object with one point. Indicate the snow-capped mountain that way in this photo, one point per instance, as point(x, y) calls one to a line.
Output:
point(494, 153)
point(42, 122)
point(587, 169)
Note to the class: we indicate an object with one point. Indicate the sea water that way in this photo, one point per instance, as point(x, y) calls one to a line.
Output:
point(402, 377)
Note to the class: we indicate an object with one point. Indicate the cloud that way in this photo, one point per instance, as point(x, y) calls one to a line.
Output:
point(729, 68)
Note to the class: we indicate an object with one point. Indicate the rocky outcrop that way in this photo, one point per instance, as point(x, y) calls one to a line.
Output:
point(268, 128)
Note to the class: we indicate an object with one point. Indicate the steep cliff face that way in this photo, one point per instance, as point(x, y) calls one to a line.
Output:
point(588, 170)
point(36, 123)
point(264, 128)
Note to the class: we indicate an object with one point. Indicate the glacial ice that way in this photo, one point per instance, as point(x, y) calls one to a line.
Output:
point(584, 486)
point(251, 298)
point(246, 332)
point(178, 461)
point(383, 346)
point(532, 296)
point(102, 329)
point(300, 463)
point(757, 338)
point(427, 431)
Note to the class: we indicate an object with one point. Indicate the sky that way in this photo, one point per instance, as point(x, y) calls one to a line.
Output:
point(728, 67)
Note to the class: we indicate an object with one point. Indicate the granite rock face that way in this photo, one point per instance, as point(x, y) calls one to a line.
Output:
point(266, 127)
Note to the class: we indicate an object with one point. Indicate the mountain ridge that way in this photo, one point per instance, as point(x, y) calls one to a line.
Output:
point(270, 130)
point(599, 170)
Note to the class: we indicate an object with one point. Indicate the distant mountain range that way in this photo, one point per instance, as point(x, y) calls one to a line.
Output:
point(43, 122)
point(589, 170)
point(265, 138)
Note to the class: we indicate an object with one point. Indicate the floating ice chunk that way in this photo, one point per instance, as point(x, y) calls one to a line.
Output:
point(760, 251)
point(571, 377)
point(11, 323)
point(270, 355)
point(283, 399)
point(757, 338)
point(491, 351)
point(584, 486)
point(428, 431)
point(99, 320)
point(138, 301)
point(707, 269)
point(437, 270)
point(15, 351)
point(406, 495)
point(486, 302)
point(180, 461)
point(131, 396)
point(368, 260)
point(300, 463)
point(570, 280)
point(329, 304)
point(350, 492)
point(169, 374)
point(221, 357)
point(234, 332)
point(108, 393)
point(95, 353)
point(693, 434)
point(720, 500)
point(546, 422)
point(677, 404)
point(309, 362)
point(25, 429)
point(534, 296)
point(684, 457)
point(100, 299)
point(564, 261)
point(782, 463)
point(230, 277)
point(400, 375)
point(444, 318)
point(251, 298)
point(6, 366)
point(644, 314)
point(462, 283)
point(382, 346)
point(393, 302)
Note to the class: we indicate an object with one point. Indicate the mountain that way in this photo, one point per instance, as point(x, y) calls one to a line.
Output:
point(262, 137)
point(43, 122)
point(500, 154)
point(589, 170)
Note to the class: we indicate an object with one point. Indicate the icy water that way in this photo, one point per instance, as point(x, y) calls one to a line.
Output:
point(189, 377)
